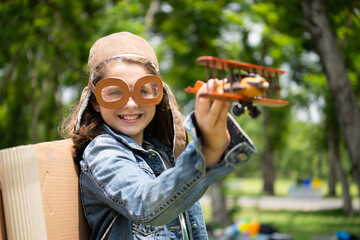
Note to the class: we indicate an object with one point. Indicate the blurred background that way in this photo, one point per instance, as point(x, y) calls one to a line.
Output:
point(307, 151)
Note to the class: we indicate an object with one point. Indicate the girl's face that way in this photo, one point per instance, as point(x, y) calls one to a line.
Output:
point(132, 118)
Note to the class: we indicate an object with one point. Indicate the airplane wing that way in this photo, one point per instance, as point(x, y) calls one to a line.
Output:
point(237, 97)
point(220, 63)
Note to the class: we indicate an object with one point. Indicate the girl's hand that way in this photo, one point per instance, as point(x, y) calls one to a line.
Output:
point(211, 118)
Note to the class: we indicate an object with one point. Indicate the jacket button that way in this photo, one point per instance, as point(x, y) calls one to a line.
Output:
point(242, 156)
point(194, 225)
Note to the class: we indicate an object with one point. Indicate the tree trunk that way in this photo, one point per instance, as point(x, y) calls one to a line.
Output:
point(268, 171)
point(332, 172)
point(218, 203)
point(34, 103)
point(343, 97)
point(334, 158)
point(267, 158)
point(149, 17)
point(320, 160)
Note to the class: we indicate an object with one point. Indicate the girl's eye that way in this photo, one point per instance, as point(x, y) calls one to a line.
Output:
point(116, 93)
point(111, 93)
point(144, 91)
point(149, 90)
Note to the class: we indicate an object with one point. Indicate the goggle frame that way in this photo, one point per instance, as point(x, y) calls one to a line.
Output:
point(127, 92)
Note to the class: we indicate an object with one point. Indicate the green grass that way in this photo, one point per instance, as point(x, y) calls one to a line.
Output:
point(304, 225)
point(253, 187)
point(300, 225)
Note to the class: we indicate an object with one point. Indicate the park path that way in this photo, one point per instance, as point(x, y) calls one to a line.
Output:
point(288, 203)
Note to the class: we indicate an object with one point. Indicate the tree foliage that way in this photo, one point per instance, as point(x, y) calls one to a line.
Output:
point(44, 47)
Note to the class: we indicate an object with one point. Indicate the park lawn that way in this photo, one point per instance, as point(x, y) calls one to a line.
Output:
point(300, 225)
point(253, 187)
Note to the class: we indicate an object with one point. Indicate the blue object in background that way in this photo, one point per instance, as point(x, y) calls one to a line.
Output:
point(342, 235)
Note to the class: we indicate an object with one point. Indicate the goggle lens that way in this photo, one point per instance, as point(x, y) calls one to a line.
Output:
point(111, 93)
point(149, 90)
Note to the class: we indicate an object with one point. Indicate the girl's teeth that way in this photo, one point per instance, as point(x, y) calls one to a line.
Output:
point(132, 117)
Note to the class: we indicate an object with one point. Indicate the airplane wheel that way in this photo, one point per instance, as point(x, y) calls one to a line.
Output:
point(255, 112)
point(238, 109)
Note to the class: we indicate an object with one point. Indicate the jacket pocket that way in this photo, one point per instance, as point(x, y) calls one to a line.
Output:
point(145, 232)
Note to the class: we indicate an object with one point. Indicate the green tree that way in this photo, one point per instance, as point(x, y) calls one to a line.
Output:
point(44, 48)
point(342, 94)
point(289, 22)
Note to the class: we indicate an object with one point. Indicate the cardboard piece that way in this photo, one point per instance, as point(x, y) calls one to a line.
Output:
point(2, 218)
point(40, 193)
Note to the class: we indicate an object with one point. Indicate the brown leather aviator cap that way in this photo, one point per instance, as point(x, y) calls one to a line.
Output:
point(121, 43)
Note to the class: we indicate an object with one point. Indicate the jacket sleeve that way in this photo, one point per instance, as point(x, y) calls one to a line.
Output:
point(238, 152)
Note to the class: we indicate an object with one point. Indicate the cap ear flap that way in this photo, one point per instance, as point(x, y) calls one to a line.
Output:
point(180, 133)
point(95, 105)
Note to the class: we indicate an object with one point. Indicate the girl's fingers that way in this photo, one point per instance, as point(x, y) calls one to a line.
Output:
point(219, 110)
point(202, 104)
point(213, 110)
point(224, 112)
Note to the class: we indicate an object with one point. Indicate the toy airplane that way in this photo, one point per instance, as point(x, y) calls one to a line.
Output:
point(252, 85)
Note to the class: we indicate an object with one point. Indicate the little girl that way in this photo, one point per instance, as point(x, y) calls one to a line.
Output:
point(140, 178)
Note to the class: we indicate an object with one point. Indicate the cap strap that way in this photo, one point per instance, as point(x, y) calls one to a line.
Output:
point(81, 111)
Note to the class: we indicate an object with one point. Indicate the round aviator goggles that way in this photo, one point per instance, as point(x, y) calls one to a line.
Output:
point(114, 92)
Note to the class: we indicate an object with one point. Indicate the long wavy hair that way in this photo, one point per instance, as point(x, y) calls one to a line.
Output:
point(91, 119)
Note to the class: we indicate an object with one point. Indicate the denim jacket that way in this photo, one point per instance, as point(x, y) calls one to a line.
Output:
point(128, 194)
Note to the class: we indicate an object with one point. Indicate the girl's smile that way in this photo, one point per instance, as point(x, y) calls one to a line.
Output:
point(131, 118)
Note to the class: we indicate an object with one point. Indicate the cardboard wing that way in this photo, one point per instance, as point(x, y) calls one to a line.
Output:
point(2, 218)
point(40, 193)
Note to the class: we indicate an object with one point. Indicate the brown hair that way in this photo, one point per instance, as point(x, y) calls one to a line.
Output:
point(91, 119)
